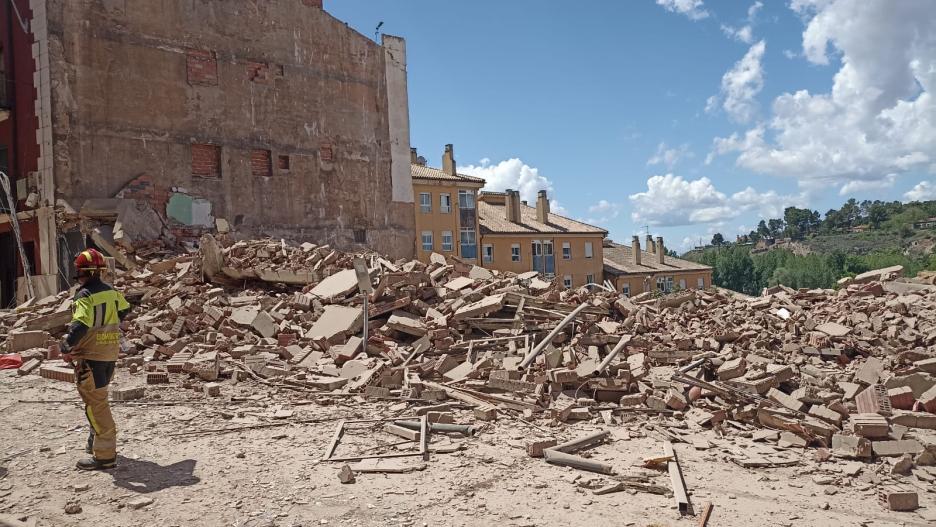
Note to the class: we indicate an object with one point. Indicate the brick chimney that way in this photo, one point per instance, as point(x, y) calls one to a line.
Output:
point(509, 205)
point(448, 161)
point(650, 247)
point(413, 156)
point(660, 253)
point(513, 197)
point(635, 248)
point(542, 207)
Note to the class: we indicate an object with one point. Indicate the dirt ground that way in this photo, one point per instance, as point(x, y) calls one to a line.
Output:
point(274, 476)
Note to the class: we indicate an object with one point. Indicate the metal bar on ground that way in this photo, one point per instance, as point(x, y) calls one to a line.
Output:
point(552, 334)
point(582, 443)
point(618, 348)
point(555, 457)
point(424, 437)
point(676, 479)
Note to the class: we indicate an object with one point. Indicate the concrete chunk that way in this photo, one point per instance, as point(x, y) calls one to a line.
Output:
point(833, 329)
point(336, 323)
point(336, 286)
point(480, 308)
point(896, 448)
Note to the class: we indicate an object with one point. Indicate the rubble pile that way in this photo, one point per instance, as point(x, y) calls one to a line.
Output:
point(849, 373)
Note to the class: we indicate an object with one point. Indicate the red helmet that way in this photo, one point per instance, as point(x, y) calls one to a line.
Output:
point(89, 261)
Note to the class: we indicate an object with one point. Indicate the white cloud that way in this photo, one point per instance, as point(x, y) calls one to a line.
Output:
point(694, 9)
point(671, 200)
point(602, 212)
point(923, 191)
point(861, 186)
point(740, 85)
point(790, 54)
point(879, 118)
point(743, 34)
point(511, 174)
point(669, 156)
point(752, 11)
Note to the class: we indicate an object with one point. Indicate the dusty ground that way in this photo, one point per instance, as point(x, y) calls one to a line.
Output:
point(273, 476)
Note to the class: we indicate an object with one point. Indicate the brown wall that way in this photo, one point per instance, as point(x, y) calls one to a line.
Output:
point(436, 221)
point(637, 282)
point(137, 82)
point(578, 266)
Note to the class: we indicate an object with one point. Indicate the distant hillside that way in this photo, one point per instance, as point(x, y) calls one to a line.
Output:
point(805, 250)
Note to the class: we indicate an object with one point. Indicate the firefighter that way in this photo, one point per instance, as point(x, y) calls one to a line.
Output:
point(92, 345)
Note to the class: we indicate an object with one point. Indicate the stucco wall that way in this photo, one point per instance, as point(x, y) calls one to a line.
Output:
point(578, 266)
point(436, 221)
point(282, 75)
point(638, 282)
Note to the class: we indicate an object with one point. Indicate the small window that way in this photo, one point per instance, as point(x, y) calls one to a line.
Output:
point(588, 250)
point(469, 243)
point(682, 283)
point(282, 162)
point(487, 251)
point(567, 281)
point(466, 199)
point(566, 251)
point(626, 290)
point(425, 202)
point(515, 252)
point(664, 283)
point(360, 235)
point(447, 242)
point(427, 240)
point(445, 203)
point(589, 279)
point(701, 283)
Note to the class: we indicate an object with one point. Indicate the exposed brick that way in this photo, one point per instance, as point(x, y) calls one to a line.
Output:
point(260, 163)
point(259, 72)
point(58, 373)
point(206, 160)
point(157, 377)
point(901, 397)
point(282, 162)
point(201, 68)
point(127, 394)
point(326, 152)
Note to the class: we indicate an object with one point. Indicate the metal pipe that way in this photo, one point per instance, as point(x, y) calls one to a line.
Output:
point(465, 430)
point(621, 344)
point(549, 338)
point(555, 457)
point(14, 222)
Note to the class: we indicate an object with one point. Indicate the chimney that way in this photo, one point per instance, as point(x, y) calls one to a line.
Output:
point(448, 161)
point(542, 207)
point(635, 248)
point(659, 249)
point(413, 156)
point(650, 247)
point(525, 203)
point(509, 205)
point(513, 197)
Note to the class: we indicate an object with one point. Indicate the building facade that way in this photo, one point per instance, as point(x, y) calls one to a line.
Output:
point(446, 209)
point(633, 271)
point(273, 115)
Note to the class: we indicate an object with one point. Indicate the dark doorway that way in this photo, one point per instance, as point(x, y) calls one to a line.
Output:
point(7, 270)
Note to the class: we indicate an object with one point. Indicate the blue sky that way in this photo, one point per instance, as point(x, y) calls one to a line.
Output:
point(689, 116)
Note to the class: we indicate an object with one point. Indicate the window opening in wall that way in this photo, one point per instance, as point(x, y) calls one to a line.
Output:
point(425, 202)
point(360, 235)
point(701, 283)
point(448, 243)
point(260, 163)
point(588, 249)
point(665, 283)
point(469, 243)
point(282, 162)
point(445, 203)
point(567, 281)
point(589, 279)
point(487, 252)
point(626, 290)
point(427, 240)
point(466, 199)
point(566, 251)
point(515, 252)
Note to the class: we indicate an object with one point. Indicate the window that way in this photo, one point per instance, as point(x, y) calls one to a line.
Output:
point(567, 281)
point(466, 199)
point(282, 162)
point(487, 253)
point(665, 283)
point(427, 240)
point(626, 290)
point(469, 243)
point(447, 242)
point(515, 252)
point(360, 235)
point(589, 279)
point(425, 202)
point(206, 160)
point(588, 249)
point(445, 203)
point(260, 163)
point(682, 283)
point(701, 283)
point(566, 251)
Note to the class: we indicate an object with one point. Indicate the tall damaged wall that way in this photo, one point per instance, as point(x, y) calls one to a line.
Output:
point(274, 112)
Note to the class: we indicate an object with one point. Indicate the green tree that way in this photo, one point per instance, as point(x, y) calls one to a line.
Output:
point(718, 239)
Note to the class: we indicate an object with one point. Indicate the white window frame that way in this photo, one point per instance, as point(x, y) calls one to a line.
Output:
point(589, 251)
point(567, 281)
point(700, 284)
point(664, 284)
point(445, 202)
point(427, 245)
point(566, 251)
point(487, 253)
point(589, 279)
point(515, 252)
point(469, 199)
point(450, 246)
point(425, 202)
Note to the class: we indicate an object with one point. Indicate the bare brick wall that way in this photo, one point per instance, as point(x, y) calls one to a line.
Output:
point(206, 160)
point(260, 162)
point(143, 187)
point(313, 3)
point(201, 67)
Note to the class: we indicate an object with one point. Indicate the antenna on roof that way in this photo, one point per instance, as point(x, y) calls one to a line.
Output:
point(647, 228)
point(377, 30)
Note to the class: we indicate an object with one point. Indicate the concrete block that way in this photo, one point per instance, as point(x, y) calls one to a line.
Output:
point(928, 400)
point(23, 340)
point(213, 389)
point(732, 369)
point(898, 499)
point(336, 323)
point(870, 425)
point(852, 447)
point(485, 413)
point(896, 448)
point(127, 394)
point(786, 400)
point(536, 448)
point(870, 371)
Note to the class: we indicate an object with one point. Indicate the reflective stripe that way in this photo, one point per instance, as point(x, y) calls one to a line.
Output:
point(91, 420)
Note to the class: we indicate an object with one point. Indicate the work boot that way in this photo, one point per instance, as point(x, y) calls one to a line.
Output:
point(96, 464)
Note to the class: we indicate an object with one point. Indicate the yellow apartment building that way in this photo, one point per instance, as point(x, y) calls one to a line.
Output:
point(446, 209)
point(519, 238)
point(634, 271)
